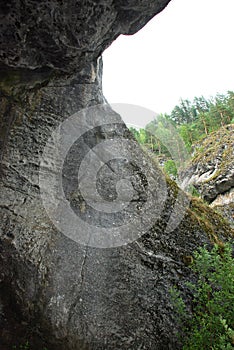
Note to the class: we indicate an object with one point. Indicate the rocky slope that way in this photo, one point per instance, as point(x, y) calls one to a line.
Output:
point(77, 296)
point(211, 170)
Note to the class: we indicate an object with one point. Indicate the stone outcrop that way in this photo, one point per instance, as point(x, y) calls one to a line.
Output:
point(64, 36)
point(211, 170)
point(75, 296)
point(224, 203)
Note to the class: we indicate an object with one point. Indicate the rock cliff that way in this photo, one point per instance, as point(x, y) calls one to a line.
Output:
point(71, 295)
point(211, 170)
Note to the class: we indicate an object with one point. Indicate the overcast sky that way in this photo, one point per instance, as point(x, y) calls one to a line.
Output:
point(185, 51)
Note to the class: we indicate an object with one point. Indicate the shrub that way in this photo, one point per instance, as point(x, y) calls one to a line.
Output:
point(212, 323)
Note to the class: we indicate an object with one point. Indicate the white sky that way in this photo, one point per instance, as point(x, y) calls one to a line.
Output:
point(185, 51)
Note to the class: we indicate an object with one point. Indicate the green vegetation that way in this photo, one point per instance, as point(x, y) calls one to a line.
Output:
point(170, 168)
point(207, 219)
point(25, 346)
point(193, 191)
point(211, 325)
point(218, 145)
point(193, 120)
point(199, 118)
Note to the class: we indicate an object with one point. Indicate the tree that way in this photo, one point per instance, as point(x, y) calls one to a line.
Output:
point(184, 113)
point(202, 106)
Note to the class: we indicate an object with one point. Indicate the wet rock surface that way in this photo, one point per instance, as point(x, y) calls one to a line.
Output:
point(77, 296)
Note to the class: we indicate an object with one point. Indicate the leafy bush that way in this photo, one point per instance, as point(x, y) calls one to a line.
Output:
point(212, 323)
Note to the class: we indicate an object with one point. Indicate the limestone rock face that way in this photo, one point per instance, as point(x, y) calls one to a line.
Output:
point(63, 35)
point(211, 170)
point(76, 296)
point(224, 203)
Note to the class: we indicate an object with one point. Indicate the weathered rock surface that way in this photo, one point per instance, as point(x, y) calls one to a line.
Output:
point(224, 203)
point(211, 170)
point(53, 36)
point(75, 296)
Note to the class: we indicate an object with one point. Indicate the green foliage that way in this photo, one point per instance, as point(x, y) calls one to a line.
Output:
point(193, 191)
point(212, 323)
point(193, 120)
point(25, 346)
point(170, 168)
